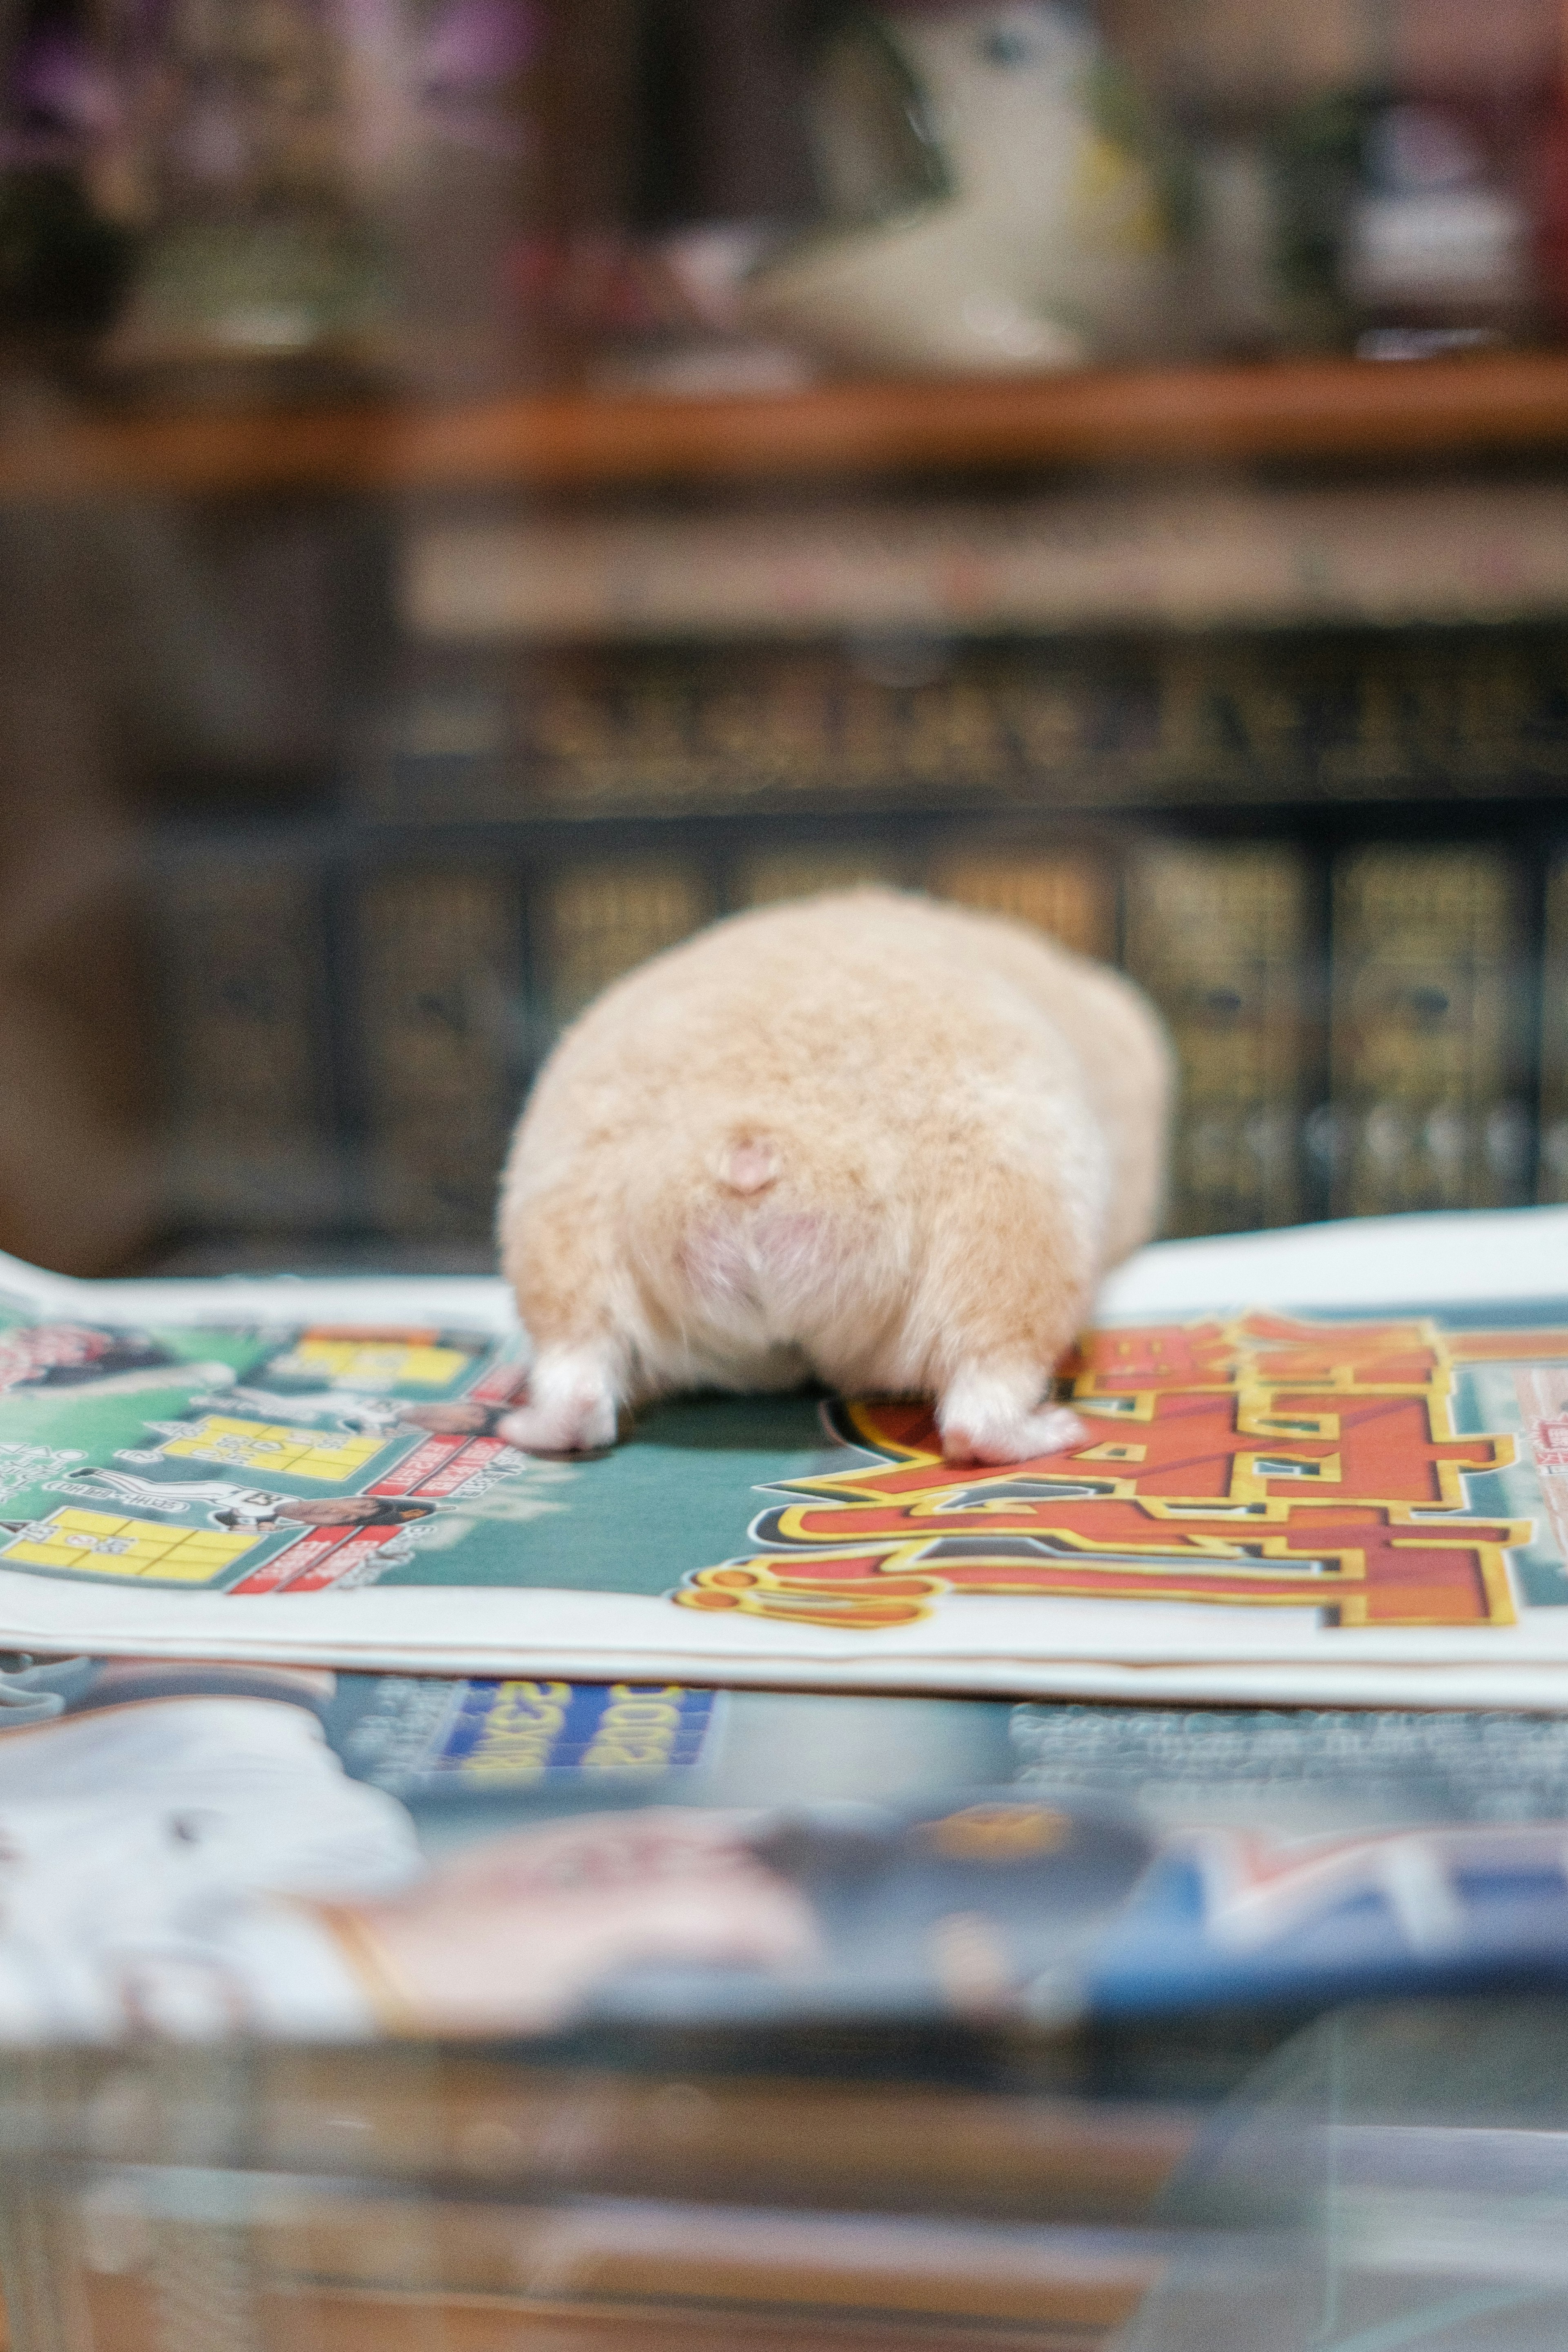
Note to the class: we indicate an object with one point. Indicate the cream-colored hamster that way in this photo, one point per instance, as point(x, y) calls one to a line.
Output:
point(891, 1143)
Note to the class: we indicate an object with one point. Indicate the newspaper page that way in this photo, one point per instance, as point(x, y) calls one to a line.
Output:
point(1328, 1467)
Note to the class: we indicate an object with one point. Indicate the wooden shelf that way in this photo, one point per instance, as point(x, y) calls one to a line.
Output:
point(1327, 408)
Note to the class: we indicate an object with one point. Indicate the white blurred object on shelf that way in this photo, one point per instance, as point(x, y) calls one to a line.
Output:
point(998, 205)
point(1431, 231)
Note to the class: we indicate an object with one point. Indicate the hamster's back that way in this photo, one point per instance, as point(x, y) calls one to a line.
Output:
point(765, 1150)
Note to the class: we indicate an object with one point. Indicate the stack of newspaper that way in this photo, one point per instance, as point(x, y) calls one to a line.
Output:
point(862, 1873)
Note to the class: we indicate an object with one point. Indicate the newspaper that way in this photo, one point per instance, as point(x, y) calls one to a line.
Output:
point(1321, 1467)
point(196, 1850)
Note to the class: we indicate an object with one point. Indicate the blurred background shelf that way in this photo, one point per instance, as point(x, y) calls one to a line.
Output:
point(1327, 409)
point(434, 572)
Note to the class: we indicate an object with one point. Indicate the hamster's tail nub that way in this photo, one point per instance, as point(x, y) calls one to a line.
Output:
point(753, 1248)
point(749, 1164)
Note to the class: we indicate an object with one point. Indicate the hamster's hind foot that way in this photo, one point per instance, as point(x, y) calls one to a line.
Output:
point(996, 1417)
point(571, 1407)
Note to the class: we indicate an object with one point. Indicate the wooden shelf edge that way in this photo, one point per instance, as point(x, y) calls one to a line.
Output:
point(1327, 408)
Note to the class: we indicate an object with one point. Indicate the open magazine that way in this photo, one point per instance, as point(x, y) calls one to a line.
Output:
point(1326, 1465)
point(196, 1850)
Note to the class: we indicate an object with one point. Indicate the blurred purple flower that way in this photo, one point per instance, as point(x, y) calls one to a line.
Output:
point(60, 85)
point(444, 79)
point(477, 43)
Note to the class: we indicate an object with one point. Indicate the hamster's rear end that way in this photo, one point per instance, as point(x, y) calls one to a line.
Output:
point(887, 1142)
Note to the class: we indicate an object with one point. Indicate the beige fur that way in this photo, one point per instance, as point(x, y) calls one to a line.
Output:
point(865, 1136)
